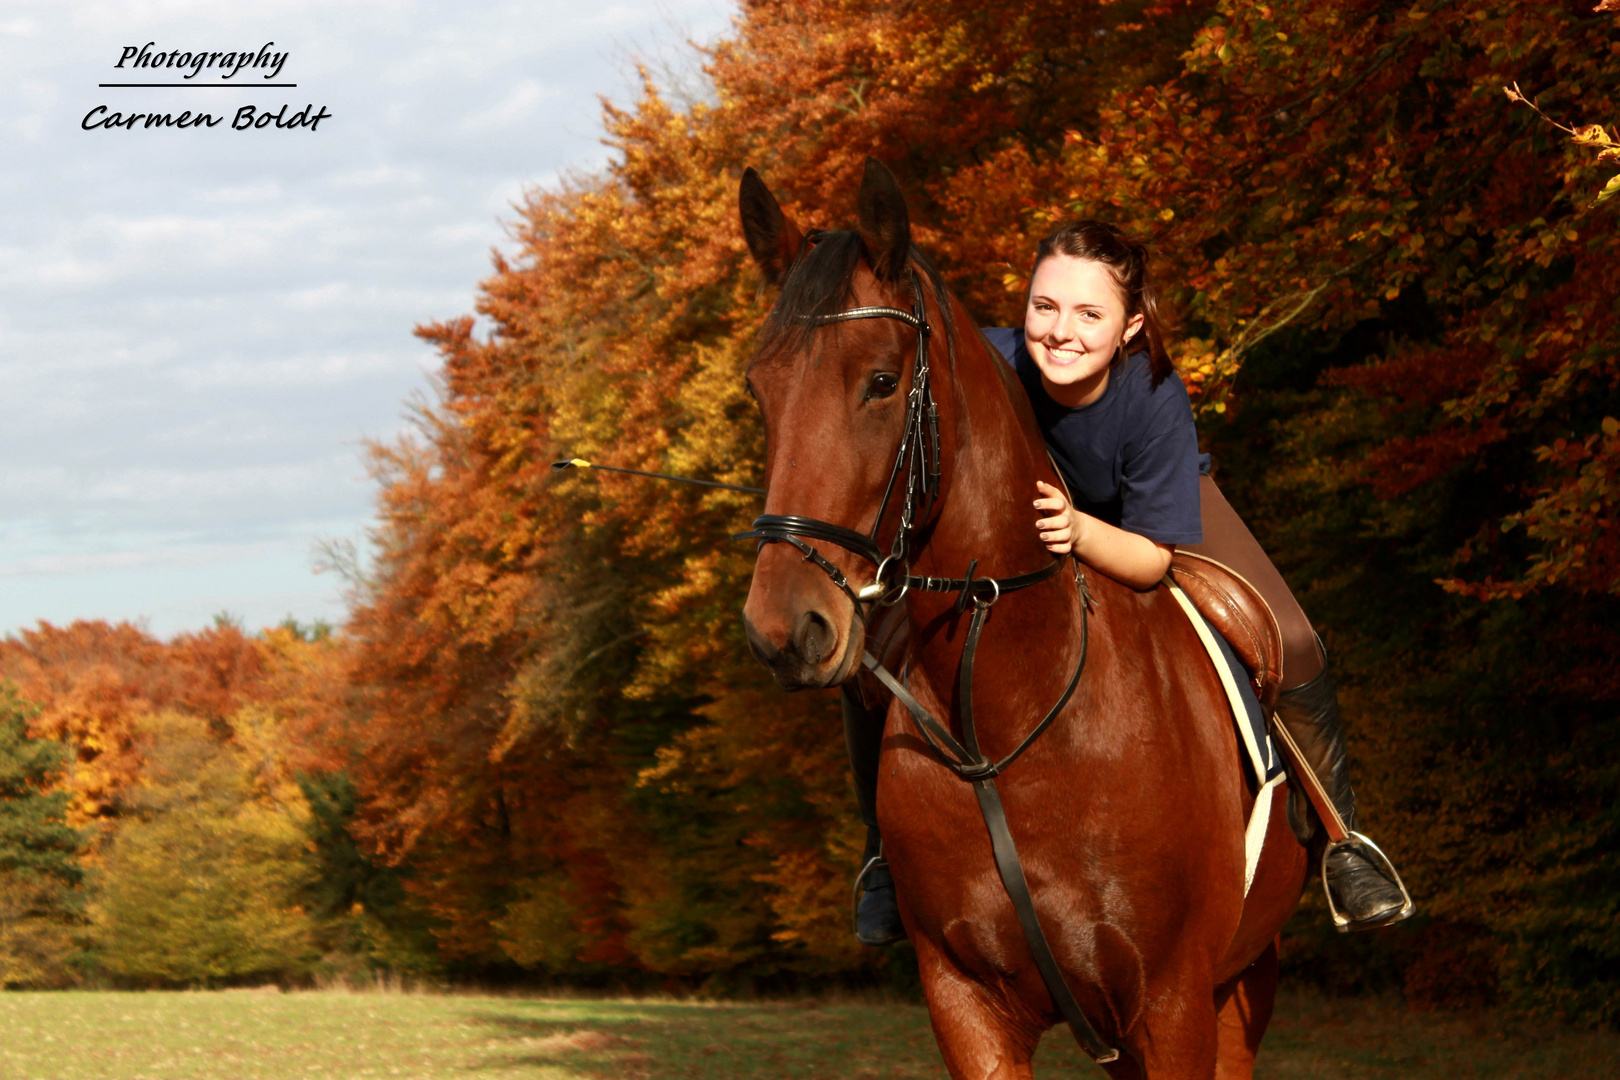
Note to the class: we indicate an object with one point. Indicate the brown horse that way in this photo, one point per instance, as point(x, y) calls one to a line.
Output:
point(1130, 810)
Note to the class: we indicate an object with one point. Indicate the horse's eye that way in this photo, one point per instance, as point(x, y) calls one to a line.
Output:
point(883, 385)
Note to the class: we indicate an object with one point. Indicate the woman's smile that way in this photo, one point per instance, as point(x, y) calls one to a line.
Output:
point(1064, 356)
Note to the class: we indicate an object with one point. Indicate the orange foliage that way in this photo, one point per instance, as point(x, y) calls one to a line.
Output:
point(554, 711)
point(93, 681)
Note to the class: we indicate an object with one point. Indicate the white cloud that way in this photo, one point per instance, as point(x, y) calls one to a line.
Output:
point(331, 369)
point(20, 28)
point(518, 105)
point(244, 193)
point(197, 328)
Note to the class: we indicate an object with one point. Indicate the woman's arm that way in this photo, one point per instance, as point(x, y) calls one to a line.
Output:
point(1124, 556)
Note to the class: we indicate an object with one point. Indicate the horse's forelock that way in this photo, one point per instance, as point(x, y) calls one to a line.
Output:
point(821, 283)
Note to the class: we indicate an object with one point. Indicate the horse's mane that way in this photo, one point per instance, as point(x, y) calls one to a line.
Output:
point(821, 283)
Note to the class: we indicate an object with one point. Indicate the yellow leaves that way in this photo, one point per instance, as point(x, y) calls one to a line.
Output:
point(1195, 359)
point(1611, 426)
point(1587, 135)
point(1166, 214)
point(669, 773)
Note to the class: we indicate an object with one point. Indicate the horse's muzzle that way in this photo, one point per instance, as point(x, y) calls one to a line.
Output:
point(809, 656)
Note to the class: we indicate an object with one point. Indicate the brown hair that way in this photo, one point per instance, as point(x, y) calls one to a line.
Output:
point(1127, 259)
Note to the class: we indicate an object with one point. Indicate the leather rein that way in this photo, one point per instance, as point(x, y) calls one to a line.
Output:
point(918, 459)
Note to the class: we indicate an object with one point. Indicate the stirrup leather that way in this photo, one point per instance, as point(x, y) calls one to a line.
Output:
point(1380, 862)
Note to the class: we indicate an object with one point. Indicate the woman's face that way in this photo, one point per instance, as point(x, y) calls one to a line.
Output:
point(1073, 325)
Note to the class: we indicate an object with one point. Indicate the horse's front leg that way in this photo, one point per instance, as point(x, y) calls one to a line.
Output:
point(1176, 1038)
point(981, 1035)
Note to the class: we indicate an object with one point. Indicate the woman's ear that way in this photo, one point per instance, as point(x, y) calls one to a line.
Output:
point(1132, 326)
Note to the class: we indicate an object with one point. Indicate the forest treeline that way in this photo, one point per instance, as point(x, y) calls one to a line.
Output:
point(538, 747)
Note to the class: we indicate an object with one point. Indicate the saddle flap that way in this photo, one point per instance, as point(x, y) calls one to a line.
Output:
point(1238, 613)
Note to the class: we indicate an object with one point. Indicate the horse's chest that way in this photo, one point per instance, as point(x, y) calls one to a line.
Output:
point(937, 842)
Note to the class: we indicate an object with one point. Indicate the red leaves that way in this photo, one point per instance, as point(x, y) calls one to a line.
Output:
point(1573, 519)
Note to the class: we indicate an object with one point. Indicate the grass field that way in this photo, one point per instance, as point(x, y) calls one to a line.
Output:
point(266, 1035)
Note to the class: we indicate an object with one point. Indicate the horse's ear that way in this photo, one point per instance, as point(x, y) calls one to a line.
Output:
point(772, 237)
point(885, 225)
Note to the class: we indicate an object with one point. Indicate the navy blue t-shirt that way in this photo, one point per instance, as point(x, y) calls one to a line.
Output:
point(1130, 457)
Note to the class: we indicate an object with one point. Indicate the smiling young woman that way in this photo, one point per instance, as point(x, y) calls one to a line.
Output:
point(1076, 331)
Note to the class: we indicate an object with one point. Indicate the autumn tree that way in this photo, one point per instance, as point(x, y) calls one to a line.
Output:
point(202, 882)
point(1398, 308)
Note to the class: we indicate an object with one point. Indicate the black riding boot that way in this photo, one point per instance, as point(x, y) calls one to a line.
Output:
point(1359, 888)
point(877, 916)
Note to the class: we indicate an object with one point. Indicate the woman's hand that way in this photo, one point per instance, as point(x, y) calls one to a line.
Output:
point(1060, 527)
point(1123, 556)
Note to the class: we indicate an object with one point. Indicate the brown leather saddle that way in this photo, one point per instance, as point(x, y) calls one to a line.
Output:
point(1238, 613)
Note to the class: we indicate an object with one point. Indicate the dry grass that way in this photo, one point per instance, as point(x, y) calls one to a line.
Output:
point(342, 1036)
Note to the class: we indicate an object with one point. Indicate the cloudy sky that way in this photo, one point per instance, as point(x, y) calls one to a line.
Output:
point(198, 328)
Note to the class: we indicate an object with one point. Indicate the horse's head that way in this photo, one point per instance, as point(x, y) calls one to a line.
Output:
point(835, 385)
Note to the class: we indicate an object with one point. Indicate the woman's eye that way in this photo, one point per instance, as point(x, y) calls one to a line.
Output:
point(883, 385)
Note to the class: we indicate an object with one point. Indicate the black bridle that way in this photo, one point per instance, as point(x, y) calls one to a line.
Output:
point(917, 458)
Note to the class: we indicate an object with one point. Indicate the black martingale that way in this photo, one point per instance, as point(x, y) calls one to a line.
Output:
point(917, 459)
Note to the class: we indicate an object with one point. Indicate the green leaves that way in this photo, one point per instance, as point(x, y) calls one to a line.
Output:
point(40, 872)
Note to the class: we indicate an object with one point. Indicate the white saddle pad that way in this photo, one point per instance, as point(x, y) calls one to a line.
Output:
point(1256, 746)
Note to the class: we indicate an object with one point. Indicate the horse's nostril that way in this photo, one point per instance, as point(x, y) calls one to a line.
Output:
point(814, 638)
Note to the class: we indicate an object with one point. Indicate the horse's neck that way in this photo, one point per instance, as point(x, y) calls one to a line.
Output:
point(994, 456)
point(991, 460)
